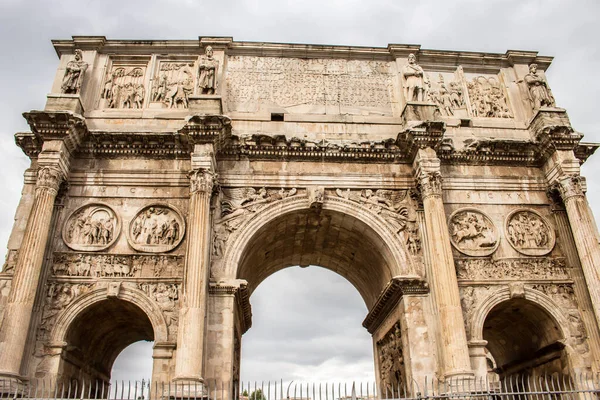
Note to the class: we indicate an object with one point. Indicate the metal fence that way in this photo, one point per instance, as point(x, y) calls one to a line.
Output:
point(581, 387)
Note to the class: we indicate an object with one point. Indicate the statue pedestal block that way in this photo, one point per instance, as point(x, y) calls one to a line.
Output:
point(206, 104)
point(64, 102)
point(421, 111)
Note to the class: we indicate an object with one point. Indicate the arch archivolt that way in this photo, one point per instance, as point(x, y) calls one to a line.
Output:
point(135, 296)
point(535, 296)
point(227, 268)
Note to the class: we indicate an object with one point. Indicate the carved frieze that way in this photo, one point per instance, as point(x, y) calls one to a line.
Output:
point(391, 359)
point(156, 228)
point(111, 266)
point(529, 233)
point(172, 85)
point(124, 86)
point(310, 85)
point(473, 233)
point(488, 98)
point(511, 268)
point(92, 227)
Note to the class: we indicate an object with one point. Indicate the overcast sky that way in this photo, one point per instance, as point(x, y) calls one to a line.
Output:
point(300, 345)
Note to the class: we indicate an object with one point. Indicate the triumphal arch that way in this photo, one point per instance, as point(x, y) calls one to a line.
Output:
point(169, 178)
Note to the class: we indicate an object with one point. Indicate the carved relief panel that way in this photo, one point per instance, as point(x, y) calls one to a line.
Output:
point(125, 85)
point(488, 97)
point(511, 268)
point(473, 233)
point(310, 85)
point(448, 91)
point(92, 227)
point(116, 266)
point(172, 84)
point(529, 233)
point(5, 285)
point(391, 359)
point(166, 295)
point(156, 228)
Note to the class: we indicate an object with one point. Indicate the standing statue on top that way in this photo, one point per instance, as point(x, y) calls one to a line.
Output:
point(207, 81)
point(412, 80)
point(71, 83)
point(538, 89)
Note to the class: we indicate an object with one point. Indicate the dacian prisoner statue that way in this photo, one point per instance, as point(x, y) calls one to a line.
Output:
point(183, 173)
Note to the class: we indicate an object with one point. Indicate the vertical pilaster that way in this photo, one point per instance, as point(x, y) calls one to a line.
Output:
point(190, 340)
point(453, 339)
point(585, 234)
point(28, 272)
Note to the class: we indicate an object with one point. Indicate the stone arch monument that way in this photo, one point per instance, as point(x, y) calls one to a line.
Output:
point(169, 178)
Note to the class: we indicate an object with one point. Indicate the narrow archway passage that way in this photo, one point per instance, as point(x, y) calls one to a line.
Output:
point(307, 327)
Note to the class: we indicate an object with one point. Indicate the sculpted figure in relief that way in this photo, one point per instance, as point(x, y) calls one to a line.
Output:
point(538, 89)
point(124, 88)
point(91, 226)
point(207, 72)
point(412, 79)
point(472, 232)
point(487, 98)
point(156, 226)
point(391, 359)
point(71, 83)
point(527, 231)
point(174, 84)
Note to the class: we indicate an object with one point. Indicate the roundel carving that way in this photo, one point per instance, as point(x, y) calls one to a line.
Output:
point(92, 227)
point(472, 232)
point(529, 233)
point(156, 228)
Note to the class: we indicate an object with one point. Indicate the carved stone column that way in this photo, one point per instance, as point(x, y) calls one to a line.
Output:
point(454, 357)
point(585, 234)
point(190, 340)
point(28, 271)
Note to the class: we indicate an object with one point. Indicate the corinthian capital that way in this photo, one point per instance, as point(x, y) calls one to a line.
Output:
point(430, 183)
point(49, 178)
point(569, 186)
point(202, 180)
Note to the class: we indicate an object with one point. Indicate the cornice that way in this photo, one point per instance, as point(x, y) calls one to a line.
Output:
point(395, 289)
point(470, 60)
point(51, 125)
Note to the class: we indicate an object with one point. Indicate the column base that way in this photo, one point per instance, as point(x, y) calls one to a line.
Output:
point(186, 388)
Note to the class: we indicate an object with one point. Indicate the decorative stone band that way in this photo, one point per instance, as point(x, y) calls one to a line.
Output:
point(430, 184)
point(202, 180)
point(242, 297)
point(215, 129)
point(396, 288)
point(49, 178)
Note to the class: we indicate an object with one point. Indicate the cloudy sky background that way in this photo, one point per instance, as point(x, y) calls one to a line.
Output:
point(306, 321)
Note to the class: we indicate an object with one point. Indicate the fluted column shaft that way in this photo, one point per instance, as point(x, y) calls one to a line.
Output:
point(453, 347)
point(28, 271)
point(190, 339)
point(585, 234)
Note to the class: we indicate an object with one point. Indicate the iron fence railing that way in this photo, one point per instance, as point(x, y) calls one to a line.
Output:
point(580, 387)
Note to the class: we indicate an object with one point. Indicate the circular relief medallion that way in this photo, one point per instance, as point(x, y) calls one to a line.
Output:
point(92, 227)
point(472, 232)
point(529, 233)
point(156, 228)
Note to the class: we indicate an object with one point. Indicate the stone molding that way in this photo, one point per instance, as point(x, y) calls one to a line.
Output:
point(390, 296)
point(242, 298)
point(52, 125)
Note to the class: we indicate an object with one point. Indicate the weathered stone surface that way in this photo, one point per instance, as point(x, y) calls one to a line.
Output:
point(168, 179)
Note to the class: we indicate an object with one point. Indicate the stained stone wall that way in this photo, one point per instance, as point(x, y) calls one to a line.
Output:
point(169, 178)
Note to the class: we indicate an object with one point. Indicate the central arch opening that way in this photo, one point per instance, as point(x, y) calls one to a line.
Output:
point(336, 241)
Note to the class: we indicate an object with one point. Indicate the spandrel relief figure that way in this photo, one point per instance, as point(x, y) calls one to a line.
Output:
point(539, 92)
point(412, 80)
point(488, 98)
point(207, 72)
point(473, 233)
point(71, 83)
point(92, 227)
point(124, 87)
point(529, 233)
point(156, 228)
